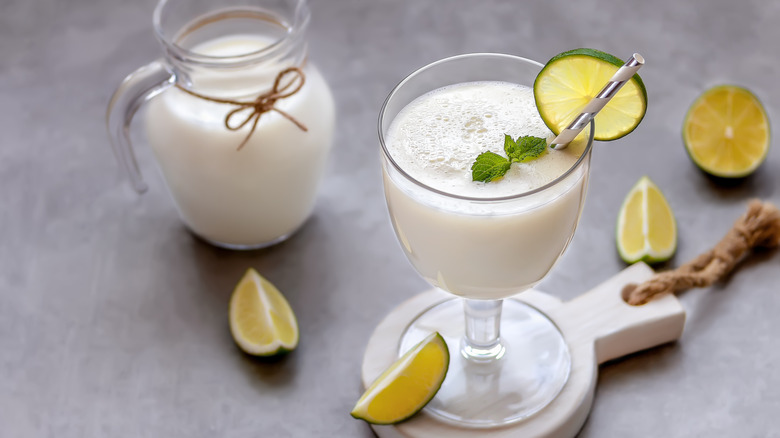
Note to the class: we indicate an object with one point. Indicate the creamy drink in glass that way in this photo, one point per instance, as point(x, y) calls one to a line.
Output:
point(479, 250)
point(482, 241)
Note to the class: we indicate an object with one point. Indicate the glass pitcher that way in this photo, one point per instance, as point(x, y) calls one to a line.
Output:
point(239, 121)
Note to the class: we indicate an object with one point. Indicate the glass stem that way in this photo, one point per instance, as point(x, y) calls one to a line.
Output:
point(482, 342)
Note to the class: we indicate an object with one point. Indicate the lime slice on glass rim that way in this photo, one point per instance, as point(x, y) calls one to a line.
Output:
point(407, 385)
point(646, 229)
point(726, 132)
point(261, 320)
point(571, 79)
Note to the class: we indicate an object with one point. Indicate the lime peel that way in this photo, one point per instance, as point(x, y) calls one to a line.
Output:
point(568, 82)
point(407, 385)
point(646, 228)
point(261, 320)
point(726, 132)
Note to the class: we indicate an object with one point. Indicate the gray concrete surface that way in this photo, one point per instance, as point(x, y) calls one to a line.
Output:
point(113, 317)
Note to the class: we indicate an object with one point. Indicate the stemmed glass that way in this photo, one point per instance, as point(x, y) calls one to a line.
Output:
point(485, 250)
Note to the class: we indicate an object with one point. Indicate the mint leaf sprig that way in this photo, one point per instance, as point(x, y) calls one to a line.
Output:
point(489, 166)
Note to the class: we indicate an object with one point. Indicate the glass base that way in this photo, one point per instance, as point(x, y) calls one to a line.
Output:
point(525, 378)
point(240, 247)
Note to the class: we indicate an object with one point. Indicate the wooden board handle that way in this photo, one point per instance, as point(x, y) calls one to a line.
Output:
point(616, 328)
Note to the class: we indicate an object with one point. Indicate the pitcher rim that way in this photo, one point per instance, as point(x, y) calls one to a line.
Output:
point(295, 26)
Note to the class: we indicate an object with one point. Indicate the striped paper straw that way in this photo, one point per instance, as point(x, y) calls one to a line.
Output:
point(609, 91)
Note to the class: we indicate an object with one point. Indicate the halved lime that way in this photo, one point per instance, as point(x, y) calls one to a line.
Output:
point(407, 385)
point(571, 79)
point(726, 132)
point(261, 320)
point(646, 229)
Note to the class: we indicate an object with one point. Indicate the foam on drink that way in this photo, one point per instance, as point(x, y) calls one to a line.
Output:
point(437, 137)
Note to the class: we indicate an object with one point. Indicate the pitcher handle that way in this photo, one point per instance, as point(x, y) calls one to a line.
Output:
point(138, 87)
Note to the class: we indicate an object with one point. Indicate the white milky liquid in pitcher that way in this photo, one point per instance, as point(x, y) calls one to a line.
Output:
point(480, 249)
point(263, 192)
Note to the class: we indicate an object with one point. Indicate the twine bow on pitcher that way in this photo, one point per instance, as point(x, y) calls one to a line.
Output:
point(262, 104)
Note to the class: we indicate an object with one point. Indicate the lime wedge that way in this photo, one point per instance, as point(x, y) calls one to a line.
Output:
point(261, 320)
point(571, 79)
point(726, 132)
point(407, 385)
point(646, 228)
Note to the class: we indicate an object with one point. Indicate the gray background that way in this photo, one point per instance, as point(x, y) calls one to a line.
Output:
point(113, 318)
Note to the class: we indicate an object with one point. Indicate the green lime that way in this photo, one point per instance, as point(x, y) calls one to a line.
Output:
point(726, 132)
point(407, 385)
point(261, 320)
point(646, 229)
point(571, 79)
